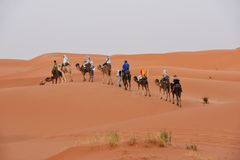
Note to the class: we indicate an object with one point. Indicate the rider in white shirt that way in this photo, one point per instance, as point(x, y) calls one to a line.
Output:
point(165, 74)
point(86, 61)
point(107, 61)
point(65, 60)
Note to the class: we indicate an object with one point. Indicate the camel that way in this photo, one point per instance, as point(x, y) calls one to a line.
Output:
point(176, 90)
point(126, 78)
point(164, 88)
point(84, 70)
point(56, 75)
point(66, 69)
point(144, 83)
point(106, 71)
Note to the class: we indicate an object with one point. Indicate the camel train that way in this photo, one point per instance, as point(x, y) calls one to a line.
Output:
point(167, 89)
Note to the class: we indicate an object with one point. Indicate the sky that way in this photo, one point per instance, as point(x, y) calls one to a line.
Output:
point(29, 28)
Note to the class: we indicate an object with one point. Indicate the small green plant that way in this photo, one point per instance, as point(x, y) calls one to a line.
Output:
point(162, 140)
point(112, 138)
point(205, 100)
point(132, 140)
point(151, 139)
point(165, 137)
point(192, 147)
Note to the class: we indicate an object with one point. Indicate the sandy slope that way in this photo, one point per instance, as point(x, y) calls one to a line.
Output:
point(61, 121)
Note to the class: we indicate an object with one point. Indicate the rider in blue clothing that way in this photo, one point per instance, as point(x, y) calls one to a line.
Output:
point(125, 66)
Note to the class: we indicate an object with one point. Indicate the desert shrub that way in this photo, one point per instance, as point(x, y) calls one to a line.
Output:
point(162, 140)
point(205, 100)
point(165, 137)
point(112, 138)
point(192, 147)
point(132, 140)
point(151, 139)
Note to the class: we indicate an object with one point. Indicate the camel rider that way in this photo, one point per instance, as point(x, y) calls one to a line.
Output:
point(125, 67)
point(92, 66)
point(176, 82)
point(142, 74)
point(86, 61)
point(55, 68)
point(119, 77)
point(165, 75)
point(107, 61)
point(65, 60)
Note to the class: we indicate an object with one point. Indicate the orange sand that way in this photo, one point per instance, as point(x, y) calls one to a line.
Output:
point(60, 121)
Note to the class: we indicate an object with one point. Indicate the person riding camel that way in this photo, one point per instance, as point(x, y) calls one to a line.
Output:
point(86, 61)
point(55, 68)
point(65, 61)
point(107, 61)
point(176, 82)
point(125, 67)
point(143, 74)
point(92, 67)
point(165, 75)
point(119, 77)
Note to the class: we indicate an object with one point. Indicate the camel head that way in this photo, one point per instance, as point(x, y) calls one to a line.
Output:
point(78, 66)
point(100, 67)
point(60, 67)
point(135, 79)
point(157, 82)
point(42, 83)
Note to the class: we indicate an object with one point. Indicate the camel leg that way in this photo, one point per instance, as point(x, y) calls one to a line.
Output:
point(160, 90)
point(145, 87)
point(138, 88)
point(84, 79)
point(177, 100)
point(180, 101)
point(108, 80)
point(129, 85)
point(56, 80)
point(60, 80)
point(142, 90)
point(173, 98)
point(71, 79)
point(92, 75)
point(103, 78)
point(64, 78)
point(149, 94)
point(111, 80)
point(169, 95)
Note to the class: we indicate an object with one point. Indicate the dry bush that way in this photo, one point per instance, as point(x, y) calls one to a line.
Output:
point(132, 140)
point(112, 138)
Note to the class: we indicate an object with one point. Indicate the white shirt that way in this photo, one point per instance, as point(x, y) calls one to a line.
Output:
point(108, 60)
point(117, 72)
point(165, 73)
point(65, 60)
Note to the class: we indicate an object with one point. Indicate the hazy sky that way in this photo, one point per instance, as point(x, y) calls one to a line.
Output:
point(31, 27)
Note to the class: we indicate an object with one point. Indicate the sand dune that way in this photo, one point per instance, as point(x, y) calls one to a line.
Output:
point(62, 121)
